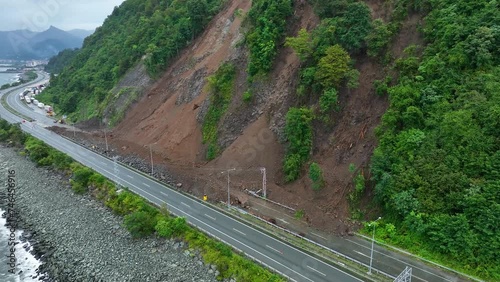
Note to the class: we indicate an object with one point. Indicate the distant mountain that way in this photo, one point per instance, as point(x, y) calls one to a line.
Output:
point(27, 45)
point(81, 33)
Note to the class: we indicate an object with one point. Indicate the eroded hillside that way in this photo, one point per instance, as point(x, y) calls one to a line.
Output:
point(169, 116)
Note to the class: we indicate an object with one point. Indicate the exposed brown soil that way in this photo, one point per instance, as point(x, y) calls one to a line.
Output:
point(167, 119)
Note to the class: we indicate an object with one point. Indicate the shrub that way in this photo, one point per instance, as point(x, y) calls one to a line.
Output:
point(221, 85)
point(316, 176)
point(140, 224)
point(168, 227)
point(298, 131)
point(299, 214)
point(378, 39)
point(247, 96)
point(37, 150)
point(328, 101)
point(125, 202)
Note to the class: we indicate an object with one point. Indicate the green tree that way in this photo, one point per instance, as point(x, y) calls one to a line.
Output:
point(333, 67)
point(378, 39)
point(298, 131)
point(302, 44)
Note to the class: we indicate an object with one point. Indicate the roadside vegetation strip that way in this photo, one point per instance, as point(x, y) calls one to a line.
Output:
point(140, 217)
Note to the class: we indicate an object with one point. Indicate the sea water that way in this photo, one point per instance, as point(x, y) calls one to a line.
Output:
point(8, 77)
point(26, 264)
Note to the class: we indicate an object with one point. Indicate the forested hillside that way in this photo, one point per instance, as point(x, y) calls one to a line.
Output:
point(302, 72)
point(437, 168)
point(155, 29)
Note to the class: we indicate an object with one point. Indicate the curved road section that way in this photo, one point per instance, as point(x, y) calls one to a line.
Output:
point(284, 259)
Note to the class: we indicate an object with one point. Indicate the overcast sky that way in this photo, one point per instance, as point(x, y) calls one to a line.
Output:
point(39, 15)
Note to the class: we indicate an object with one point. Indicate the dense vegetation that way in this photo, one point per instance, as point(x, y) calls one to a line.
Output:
point(140, 218)
point(437, 167)
point(157, 29)
point(268, 25)
point(57, 63)
point(326, 67)
point(221, 85)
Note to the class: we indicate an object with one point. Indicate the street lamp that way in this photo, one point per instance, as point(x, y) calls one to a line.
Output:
point(151, 155)
point(373, 241)
point(105, 135)
point(228, 196)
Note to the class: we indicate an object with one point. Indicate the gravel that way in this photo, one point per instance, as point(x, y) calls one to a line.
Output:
point(78, 239)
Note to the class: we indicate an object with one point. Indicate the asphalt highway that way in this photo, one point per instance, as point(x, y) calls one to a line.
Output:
point(284, 259)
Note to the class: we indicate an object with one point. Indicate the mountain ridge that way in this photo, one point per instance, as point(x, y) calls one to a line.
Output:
point(25, 44)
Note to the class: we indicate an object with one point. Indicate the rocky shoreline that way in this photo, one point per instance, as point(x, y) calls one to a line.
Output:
point(78, 239)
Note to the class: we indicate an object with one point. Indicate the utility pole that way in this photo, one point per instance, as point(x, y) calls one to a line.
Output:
point(373, 241)
point(151, 155)
point(264, 181)
point(228, 195)
point(105, 135)
point(106, 139)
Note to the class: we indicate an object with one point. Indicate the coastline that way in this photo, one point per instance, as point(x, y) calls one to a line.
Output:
point(78, 239)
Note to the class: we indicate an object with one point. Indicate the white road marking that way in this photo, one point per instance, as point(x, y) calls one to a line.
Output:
point(185, 204)
point(318, 235)
point(362, 254)
point(409, 264)
point(239, 232)
point(274, 249)
point(316, 270)
point(211, 217)
point(130, 176)
point(164, 194)
point(418, 278)
point(282, 220)
point(146, 184)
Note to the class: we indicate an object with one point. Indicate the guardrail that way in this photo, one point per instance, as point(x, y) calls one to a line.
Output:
point(420, 258)
point(318, 245)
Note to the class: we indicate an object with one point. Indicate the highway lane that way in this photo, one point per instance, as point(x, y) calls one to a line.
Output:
point(287, 260)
